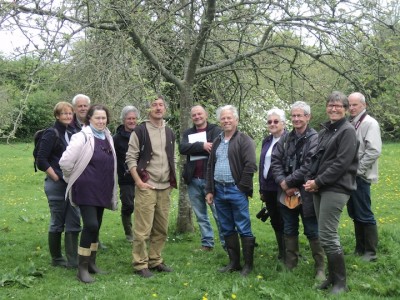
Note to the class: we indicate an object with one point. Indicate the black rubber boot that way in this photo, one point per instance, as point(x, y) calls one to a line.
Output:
point(233, 249)
point(57, 259)
point(71, 249)
point(127, 224)
point(93, 269)
point(371, 242)
point(291, 251)
point(83, 265)
point(248, 244)
point(360, 240)
point(318, 255)
point(338, 269)
point(329, 281)
point(281, 245)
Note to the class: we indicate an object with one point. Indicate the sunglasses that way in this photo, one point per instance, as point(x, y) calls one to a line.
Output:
point(269, 122)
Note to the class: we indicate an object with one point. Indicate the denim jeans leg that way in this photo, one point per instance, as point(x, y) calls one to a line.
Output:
point(233, 211)
point(215, 215)
point(290, 220)
point(310, 225)
point(199, 206)
point(224, 211)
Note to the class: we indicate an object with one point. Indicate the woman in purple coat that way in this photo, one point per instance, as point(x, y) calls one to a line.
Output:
point(89, 167)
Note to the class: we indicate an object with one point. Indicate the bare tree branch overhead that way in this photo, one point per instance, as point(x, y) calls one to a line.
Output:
point(243, 52)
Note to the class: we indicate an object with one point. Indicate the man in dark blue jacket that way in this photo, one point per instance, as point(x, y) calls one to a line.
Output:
point(129, 118)
point(196, 144)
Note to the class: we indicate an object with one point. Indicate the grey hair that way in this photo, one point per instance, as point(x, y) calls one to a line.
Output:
point(128, 109)
point(301, 105)
point(360, 96)
point(80, 96)
point(278, 112)
point(227, 107)
point(337, 96)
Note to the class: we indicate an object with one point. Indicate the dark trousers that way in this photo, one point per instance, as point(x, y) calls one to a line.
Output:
point(271, 202)
point(92, 216)
point(359, 204)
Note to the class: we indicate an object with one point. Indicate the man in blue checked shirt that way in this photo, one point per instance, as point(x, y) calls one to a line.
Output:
point(230, 170)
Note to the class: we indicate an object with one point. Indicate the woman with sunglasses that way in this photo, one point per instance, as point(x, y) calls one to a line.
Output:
point(268, 188)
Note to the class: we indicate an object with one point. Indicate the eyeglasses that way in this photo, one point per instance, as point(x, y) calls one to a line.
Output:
point(269, 122)
point(66, 113)
point(337, 106)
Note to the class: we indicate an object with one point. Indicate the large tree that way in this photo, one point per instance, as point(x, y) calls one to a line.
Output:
point(208, 45)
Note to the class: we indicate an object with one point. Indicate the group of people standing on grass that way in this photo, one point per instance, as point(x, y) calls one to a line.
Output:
point(302, 173)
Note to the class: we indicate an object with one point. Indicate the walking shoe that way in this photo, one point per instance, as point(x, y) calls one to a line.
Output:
point(161, 268)
point(145, 273)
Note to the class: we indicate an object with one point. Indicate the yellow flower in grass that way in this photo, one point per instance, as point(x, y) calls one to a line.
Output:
point(259, 277)
point(233, 296)
point(154, 295)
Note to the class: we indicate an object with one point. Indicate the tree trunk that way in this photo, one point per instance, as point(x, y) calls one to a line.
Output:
point(185, 220)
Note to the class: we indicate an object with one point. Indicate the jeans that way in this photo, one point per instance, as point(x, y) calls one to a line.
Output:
point(62, 214)
point(291, 222)
point(359, 205)
point(233, 210)
point(196, 190)
point(329, 207)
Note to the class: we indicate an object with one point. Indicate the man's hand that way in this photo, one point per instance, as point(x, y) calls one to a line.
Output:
point(311, 186)
point(283, 185)
point(292, 191)
point(207, 147)
point(210, 198)
point(144, 185)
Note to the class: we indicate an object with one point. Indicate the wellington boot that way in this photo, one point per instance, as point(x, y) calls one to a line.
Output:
point(83, 264)
point(248, 244)
point(281, 245)
point(318, 255)
point(127, 224)
point(371, 242)
point(360, 239)
point(291, 251)
point(57, 259)
point(233, 249)
point(93, 269)
point(71, 249)
point(338, 269)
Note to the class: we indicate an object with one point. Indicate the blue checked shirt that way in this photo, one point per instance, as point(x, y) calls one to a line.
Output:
point(222, 171)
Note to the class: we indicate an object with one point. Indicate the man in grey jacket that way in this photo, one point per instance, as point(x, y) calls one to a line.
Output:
point(359, 205)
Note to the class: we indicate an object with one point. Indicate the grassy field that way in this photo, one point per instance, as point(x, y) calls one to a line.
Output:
point(25, 271)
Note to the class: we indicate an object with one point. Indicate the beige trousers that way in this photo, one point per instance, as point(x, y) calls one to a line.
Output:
point(150, 227)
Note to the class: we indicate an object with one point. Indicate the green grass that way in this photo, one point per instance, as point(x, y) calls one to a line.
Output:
point(25, 272)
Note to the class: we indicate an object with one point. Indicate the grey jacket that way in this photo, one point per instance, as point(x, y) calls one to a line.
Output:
point(369, 136)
